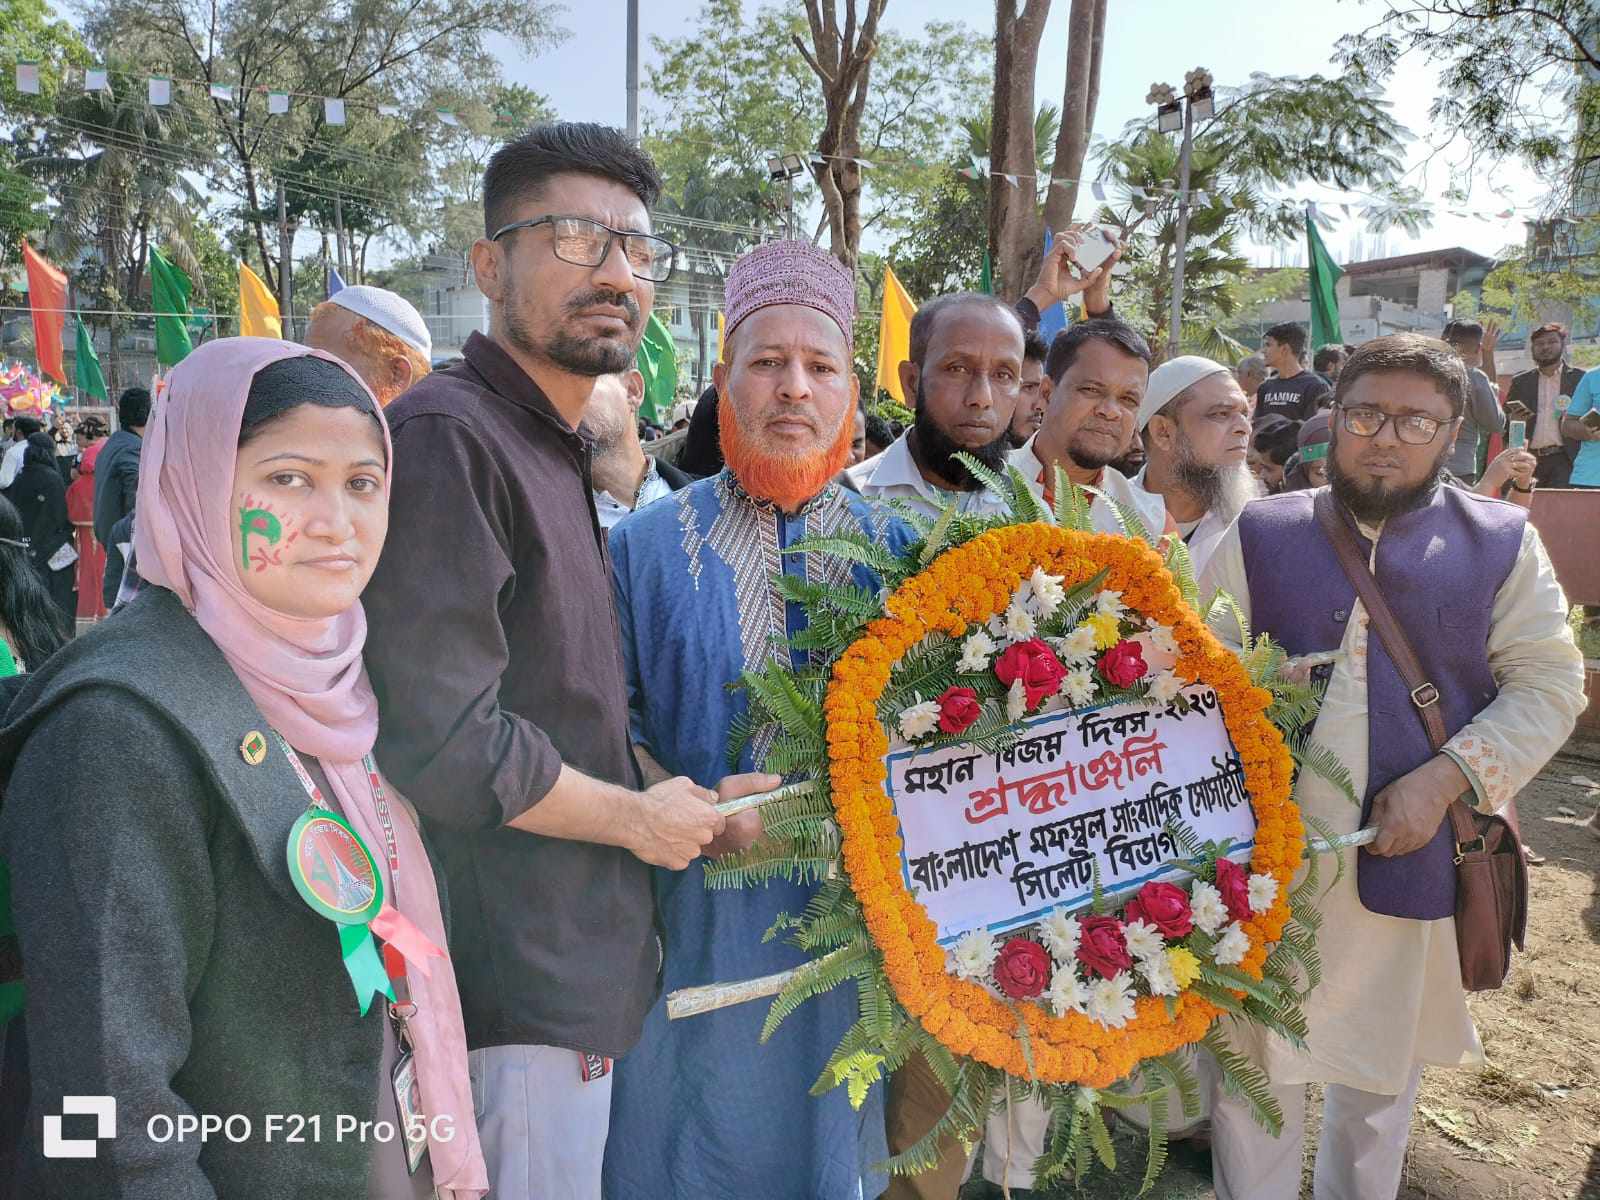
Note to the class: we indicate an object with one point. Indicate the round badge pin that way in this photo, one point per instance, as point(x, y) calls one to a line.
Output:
point(332, 868)
point(254, 748)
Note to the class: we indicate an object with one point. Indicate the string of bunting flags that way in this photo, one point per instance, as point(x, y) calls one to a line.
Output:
point(159, 92)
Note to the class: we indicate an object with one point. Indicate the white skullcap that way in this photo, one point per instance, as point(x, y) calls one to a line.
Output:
point(387, 311)
point(1171, 378)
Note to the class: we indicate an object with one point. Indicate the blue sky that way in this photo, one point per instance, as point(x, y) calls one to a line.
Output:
point(1146, 40)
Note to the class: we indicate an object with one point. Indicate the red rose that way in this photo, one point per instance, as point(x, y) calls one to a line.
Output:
point(958, 708)
point(1023, 969)
point(1233, 881)
point(1163, 905)
point(1101, 946)
point(1035, 664)
point(1123, 665)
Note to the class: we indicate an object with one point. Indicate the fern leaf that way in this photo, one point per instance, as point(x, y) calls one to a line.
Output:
point(1177, 1072)
point(934, 543)
point(1156, 1154)
point(1181, 565)
point(1100, 1138)
point(1245, 1082)
point(963, 1120)
point(990, 479)
point(815, 977)
point(857, 548)
point(1322, 762)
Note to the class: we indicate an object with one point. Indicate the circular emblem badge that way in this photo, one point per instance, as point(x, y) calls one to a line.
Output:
point(332, 869)
point(254, 748)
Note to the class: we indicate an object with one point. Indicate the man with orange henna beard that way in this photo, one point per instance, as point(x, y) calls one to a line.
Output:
point(701, 1107)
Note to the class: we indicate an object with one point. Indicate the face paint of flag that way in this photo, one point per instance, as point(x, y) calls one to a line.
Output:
point(28, 78)
point(333, 110)
point(160, 91)
point(277, 103)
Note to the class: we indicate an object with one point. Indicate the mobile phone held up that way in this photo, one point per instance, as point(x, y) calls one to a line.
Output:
point(1591, 419)
point(1518, 435)
point(1517, 410)
point(1097, 246)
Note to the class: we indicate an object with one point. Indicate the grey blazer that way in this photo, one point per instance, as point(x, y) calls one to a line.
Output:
point(169, 961)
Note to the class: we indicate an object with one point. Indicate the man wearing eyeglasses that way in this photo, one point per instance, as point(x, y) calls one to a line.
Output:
point(1470, 583)
point(494, 650)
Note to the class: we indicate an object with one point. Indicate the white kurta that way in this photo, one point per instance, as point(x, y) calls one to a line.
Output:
point(1391, 995)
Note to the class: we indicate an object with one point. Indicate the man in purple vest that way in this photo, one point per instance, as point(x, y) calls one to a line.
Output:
point(1470, 582)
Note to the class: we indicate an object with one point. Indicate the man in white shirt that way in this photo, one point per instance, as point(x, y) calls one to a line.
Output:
point(965, 371)
point(1196, 424)
point(1098, 370)
point(625, 477)
point(11, 463)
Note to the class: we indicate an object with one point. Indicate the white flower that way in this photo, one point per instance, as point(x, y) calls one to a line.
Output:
point(1016, 701)
point(1047, 591)
point(1078, 646)
point(1020, 625)
point(919, 720)
point(1067, 992)
point(1263, 891)
point(1164, 688)
point(1161, 639)
point(1109, 603)
point(1232, 946)
point(1111, 1001)
point(1078, 687)
point(1059, 933)
point(974, 954)
point(975, 652)
point(1157, 972)
point(1205, 903)
point(996, 625)
point(1144, 940)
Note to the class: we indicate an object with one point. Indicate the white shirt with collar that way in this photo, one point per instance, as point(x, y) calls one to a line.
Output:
point(610, 510)
point(1149, 507)
point(894, 475)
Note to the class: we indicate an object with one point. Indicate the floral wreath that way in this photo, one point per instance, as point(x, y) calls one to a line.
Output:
point(997, 618)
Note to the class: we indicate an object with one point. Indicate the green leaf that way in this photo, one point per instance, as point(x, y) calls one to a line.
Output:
point(815, 977)
point(1245, 1082)
point(1156, 1155)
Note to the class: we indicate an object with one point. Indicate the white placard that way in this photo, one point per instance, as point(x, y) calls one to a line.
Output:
point(277, 103)
point(160, 93)
point(997, 840)
point(96, 79)
point(333, 110)
point(28, 78)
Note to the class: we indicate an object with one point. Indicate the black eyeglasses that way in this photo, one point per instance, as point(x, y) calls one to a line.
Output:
point(1412, 428)
point(586, 243)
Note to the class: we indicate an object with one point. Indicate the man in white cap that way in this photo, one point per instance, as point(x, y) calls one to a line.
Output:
point(378, 333)
point(1195, 419)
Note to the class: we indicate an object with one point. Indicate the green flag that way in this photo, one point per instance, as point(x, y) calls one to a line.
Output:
point(658, 363)
point(87, 373)
point(986, 280)
point(1324, 297)
point(169, 297)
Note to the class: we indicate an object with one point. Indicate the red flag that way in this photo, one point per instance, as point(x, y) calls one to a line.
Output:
point(47, 296)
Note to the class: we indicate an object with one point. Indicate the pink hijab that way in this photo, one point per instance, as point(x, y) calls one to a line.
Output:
point(307, 678)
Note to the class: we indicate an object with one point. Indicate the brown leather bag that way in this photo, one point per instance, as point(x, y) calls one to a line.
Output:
point(1491, 872)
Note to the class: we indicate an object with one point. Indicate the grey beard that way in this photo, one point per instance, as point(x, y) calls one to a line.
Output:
point(1222, 490)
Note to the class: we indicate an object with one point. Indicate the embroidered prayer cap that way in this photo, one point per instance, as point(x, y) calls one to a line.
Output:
point(1317, 430)
point(388, 311)
point(791, 272)
point(1171, 378)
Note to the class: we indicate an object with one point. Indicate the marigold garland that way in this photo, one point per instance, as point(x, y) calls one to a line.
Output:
point(965, 587)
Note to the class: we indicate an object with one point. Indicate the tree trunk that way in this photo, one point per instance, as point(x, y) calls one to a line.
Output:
point(1005, 20)
point(1085, 43)
point(842, 62)
point(1021, 232)
point(253, 197)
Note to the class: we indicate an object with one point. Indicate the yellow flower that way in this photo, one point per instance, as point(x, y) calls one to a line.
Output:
point(1185, 966)
point(1105, 629)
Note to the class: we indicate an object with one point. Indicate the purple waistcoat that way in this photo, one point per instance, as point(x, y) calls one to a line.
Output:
point(1440, 567)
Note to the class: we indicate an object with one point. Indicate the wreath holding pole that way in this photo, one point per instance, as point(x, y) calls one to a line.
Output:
point(1050, 817)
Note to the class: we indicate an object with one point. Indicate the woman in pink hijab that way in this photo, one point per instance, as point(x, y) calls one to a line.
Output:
point(225, 913)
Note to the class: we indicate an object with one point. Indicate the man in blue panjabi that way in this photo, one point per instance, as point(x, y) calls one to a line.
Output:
point(701, 1109)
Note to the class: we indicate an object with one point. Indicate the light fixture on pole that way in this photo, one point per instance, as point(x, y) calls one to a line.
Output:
point(787, 168)
point(1172, 114)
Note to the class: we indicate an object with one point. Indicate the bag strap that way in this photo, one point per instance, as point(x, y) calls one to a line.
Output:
point(1423, 693)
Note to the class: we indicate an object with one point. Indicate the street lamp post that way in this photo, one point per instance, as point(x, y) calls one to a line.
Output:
point(787, 168)
point(1174, 113)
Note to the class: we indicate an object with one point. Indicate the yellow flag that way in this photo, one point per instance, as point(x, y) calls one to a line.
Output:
point(894, 335)
point(722, 332)
point(258, 310)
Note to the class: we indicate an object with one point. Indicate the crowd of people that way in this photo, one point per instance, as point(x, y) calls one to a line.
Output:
point(462, 647)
